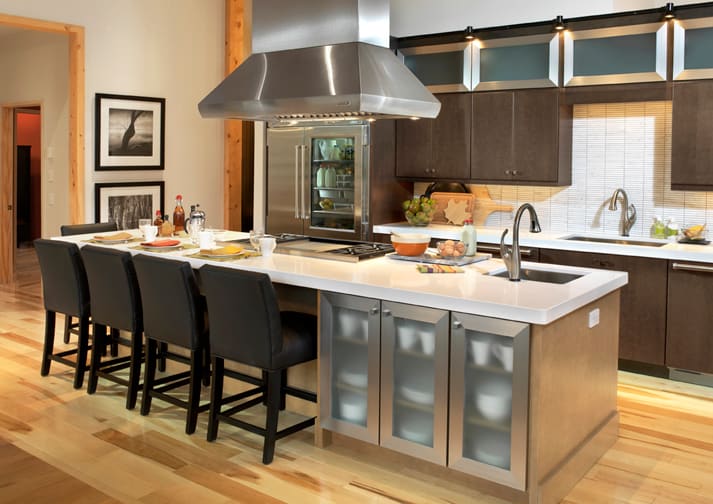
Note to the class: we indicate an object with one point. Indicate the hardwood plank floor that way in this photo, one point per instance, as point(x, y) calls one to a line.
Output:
point(58, 444)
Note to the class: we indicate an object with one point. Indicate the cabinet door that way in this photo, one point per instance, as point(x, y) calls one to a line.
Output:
point(489, 398)
point(414, 380)
point(535, 136)
point(689, 340)
point(692, 136)
point(413, 148)
point(642, 324)
point(349, 365)
point(436, 148)
point(450, 153)
point(492, 138)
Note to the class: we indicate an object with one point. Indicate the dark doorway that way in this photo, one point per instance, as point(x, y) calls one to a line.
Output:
point(28, 175)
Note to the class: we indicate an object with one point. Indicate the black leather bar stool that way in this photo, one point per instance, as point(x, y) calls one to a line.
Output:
point(247, 327)
point(116, 303)
point(76, 229)
point(65, 290)
point(174, 313)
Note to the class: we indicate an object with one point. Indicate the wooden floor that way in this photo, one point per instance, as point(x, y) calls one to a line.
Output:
point(60, 445)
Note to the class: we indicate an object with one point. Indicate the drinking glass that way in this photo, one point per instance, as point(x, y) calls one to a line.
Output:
point(142, 225)
point(255, 235)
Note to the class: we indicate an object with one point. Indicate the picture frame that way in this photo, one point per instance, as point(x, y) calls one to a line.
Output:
point(129, 132)
point(127, 202)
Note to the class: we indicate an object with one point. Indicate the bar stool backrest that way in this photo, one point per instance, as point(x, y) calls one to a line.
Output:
point(97, 227)
point(64, 279)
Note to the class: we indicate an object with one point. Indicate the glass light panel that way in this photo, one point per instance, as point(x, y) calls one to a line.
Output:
point(697, 52)
point(437, 68)
point(508, 63)
point(624, 54)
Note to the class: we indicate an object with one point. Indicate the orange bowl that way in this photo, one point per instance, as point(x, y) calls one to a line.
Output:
point(410, 244)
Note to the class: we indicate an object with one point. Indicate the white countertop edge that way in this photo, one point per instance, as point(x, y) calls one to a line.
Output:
point(670, 251)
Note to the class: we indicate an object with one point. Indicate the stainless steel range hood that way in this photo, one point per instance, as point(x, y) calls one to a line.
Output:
point(320, 59)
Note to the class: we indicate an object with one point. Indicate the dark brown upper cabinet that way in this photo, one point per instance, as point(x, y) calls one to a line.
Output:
point(439, 148)
point(521, 137)
point(692, 136)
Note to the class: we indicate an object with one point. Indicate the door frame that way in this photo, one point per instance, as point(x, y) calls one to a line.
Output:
point(75, 36)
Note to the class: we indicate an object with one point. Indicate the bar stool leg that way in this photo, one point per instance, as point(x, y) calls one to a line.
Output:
point(134, 370)
point(48, 347)
point(283, 392)
point(149, 375)
point(194, 391)
point(216, 397)
point(83, 348)
point(274, 385)
point(99, 332)
point(67, 328)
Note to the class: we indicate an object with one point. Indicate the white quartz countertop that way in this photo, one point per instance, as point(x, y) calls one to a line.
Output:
point(394, 280)
point(671, 250)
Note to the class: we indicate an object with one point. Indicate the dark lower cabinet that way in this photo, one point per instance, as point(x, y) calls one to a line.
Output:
point(689, 336)
point(692, 136)
point(642, 325)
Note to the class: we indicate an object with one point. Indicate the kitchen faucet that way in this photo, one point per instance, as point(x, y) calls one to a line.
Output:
point(628, 212)
point(511, 257)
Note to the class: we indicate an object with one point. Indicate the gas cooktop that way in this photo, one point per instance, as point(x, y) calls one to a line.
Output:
point(327, 248)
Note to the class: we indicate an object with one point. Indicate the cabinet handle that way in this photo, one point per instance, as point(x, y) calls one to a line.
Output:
point(297, 182)
point(374, 311)
point(457, 324)
point(515, 172)
point(692, 267)
point(525, 252)
point(508, 172)
point(387, 313)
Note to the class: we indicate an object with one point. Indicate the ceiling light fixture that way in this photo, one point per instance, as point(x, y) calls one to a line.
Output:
point(469, 33)
point(668, 11)
point(559, 23)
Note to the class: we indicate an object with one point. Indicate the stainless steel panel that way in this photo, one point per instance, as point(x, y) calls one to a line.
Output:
point(680, 70)
point(283, 178)
point(657, 74)
point(552, 68)
point(438, 319)
point(461, 357)
point(463, 81)
point(279, 25)
point(331, 333)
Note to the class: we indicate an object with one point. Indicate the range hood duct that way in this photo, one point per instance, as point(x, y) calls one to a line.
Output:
point(317, 60)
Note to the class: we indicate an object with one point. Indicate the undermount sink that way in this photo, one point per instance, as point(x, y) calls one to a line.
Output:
point(615, 241)
point(555, 277)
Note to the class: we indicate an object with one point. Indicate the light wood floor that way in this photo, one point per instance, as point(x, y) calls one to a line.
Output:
point(60, 445)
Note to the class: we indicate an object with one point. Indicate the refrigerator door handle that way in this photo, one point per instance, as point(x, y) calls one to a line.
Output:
point(297, 184)
point(303, 209)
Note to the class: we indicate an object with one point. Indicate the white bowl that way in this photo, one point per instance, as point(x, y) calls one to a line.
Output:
point(410, 238)
point(494, 401)
point(416, 428)
point(353, 378)
point(492, 450)
point(352, 407)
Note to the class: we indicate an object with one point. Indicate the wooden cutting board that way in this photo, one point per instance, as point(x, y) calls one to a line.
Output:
point(454, 208)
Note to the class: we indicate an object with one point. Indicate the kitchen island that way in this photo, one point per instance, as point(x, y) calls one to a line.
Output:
point(547, 395)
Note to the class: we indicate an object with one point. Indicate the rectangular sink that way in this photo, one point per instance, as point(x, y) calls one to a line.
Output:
point(555, 277)
point(615, 241)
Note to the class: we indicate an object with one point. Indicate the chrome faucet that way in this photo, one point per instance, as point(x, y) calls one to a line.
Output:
point(511, 257)
point(628, 212)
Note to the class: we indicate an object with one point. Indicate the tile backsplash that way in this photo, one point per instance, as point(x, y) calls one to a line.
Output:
point(614, 145)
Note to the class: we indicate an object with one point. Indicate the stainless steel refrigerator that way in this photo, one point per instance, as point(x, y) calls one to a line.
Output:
point(317, 181)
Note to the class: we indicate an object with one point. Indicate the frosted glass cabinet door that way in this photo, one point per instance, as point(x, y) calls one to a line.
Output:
point(349, 365)
point(692, 55)
point(635, 53)
point(441, 68)
point(489, 398)
point(414, 380)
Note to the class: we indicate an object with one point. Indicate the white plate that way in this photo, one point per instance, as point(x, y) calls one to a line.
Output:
point(354, 379)
point(167, 247)
point(220, 256)
point(417, 396)
point(112, 242)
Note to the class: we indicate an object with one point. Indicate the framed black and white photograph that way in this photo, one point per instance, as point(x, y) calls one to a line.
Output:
point(129, 132)
point(127, 202)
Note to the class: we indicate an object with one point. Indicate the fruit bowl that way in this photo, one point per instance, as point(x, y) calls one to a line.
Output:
point(419, 211)
point(697, 232)
point(410, 244)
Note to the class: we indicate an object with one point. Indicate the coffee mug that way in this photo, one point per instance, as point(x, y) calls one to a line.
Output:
point(504, 353)
point(267, 245)
point(481, 351)
point(206, 239)
point(150, 233)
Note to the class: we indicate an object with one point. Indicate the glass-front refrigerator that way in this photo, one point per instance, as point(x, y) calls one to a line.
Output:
point(317, 180)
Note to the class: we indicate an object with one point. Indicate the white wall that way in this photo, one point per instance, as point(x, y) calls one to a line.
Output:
point(163, 48)
point(419, 17)
point(34, 69)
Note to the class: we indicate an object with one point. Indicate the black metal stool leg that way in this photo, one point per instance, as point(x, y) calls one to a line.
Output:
point(114, 342)
point(283, 393)
point(162, 350)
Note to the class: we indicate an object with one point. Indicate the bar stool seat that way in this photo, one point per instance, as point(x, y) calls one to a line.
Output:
point(247, 327)
point(116, 303)
point(65, 290)
point(174, 313)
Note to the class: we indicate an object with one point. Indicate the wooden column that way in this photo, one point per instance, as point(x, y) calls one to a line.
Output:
point(237, 165)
